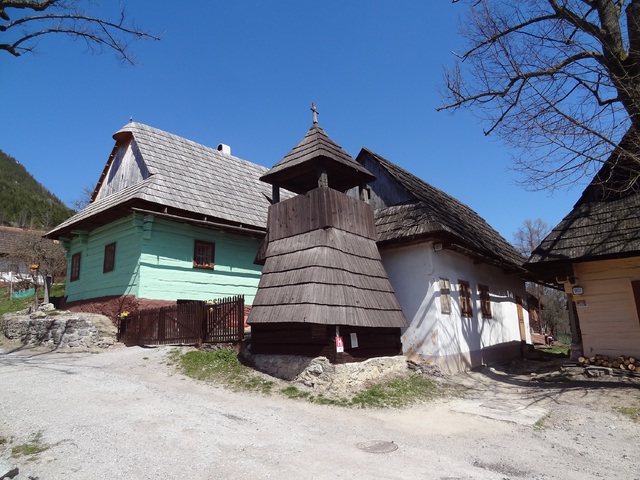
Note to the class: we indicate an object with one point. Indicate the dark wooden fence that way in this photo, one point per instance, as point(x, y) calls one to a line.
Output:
point(186, 322)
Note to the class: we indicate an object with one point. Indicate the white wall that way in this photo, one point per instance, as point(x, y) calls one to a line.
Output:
point(415, 271)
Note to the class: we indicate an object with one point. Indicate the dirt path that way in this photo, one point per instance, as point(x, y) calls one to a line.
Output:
point(126, 414)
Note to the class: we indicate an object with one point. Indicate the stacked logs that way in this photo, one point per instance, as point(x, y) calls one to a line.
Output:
point(622, 362)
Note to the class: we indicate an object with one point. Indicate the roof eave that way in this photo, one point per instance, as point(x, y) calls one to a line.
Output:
point(453, 243)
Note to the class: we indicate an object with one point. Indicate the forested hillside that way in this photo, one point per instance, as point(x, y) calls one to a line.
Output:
point(24, 202)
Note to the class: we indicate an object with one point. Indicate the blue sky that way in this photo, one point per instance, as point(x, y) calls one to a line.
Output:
point(245, 72)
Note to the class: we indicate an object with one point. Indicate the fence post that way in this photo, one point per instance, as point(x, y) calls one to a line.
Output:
point(200, 313)
point(240, 312)
point(162, 325)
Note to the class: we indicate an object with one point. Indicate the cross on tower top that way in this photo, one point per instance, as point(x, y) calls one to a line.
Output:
point(315, 112)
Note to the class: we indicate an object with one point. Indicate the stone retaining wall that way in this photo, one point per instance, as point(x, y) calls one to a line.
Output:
point(59, 329)
point(319, 373)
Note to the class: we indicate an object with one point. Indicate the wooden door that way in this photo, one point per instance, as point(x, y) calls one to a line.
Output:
point(523, 333)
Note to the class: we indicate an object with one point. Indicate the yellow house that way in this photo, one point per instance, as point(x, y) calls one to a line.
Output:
point(594, 255)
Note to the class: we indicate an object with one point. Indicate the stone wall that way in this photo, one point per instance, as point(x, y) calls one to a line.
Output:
point(320, 374)
point(59, 329)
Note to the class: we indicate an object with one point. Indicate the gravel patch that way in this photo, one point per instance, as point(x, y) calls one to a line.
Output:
point(126, 413)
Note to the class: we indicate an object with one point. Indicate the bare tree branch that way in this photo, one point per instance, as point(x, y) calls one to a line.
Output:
point(559, 80)
point(67, 18)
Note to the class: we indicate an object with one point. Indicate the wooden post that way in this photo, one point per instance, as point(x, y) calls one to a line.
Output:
point(323, 177)
point(47, 288)
point(201, 312)
point(239, 302)
point(275, 193)
point(364, 193)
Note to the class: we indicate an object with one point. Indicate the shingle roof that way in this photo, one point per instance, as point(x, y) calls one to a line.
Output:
point(9, 236)
point(297, 170)
point(604, 222)
point(190, 177)
point(432, 212)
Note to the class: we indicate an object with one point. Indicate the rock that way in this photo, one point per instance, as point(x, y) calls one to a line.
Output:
point(320, 375)
point(7, 469)
point(22, 476)
point(425, 368)
point(64, 329)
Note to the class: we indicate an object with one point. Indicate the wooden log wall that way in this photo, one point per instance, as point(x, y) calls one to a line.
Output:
point(314, 340)
point(320, 208)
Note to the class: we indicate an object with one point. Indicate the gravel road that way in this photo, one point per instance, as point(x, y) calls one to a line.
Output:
point(125, 413)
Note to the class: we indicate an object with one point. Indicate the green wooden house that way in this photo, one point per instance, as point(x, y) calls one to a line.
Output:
point(169, 219)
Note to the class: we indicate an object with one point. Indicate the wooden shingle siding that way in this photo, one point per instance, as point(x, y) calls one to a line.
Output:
point(320, 208)
point(321, 263)
point(326, 294)
point(323, 275)
point(331, 238)
point(324, 257)
point(327, 314)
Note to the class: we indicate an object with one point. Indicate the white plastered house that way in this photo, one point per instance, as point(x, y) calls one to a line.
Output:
point(460, 284)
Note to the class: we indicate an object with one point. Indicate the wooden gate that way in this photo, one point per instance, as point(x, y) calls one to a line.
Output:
point(185, 323)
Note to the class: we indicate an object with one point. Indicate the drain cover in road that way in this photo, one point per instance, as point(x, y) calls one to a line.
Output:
point(377, 446)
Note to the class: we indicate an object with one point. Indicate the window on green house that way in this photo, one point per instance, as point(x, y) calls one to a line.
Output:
point(203, 254)
point(109, 258)
point(75, 267)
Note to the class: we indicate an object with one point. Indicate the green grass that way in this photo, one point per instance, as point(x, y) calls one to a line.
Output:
point(30, 449)
point(632, 412)
point(542, 423)
point(396, 393)
point(560, 350)
point(222, 367)
point(16, 304)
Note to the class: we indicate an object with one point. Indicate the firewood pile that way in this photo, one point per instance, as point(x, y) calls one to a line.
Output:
point(628, 363)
